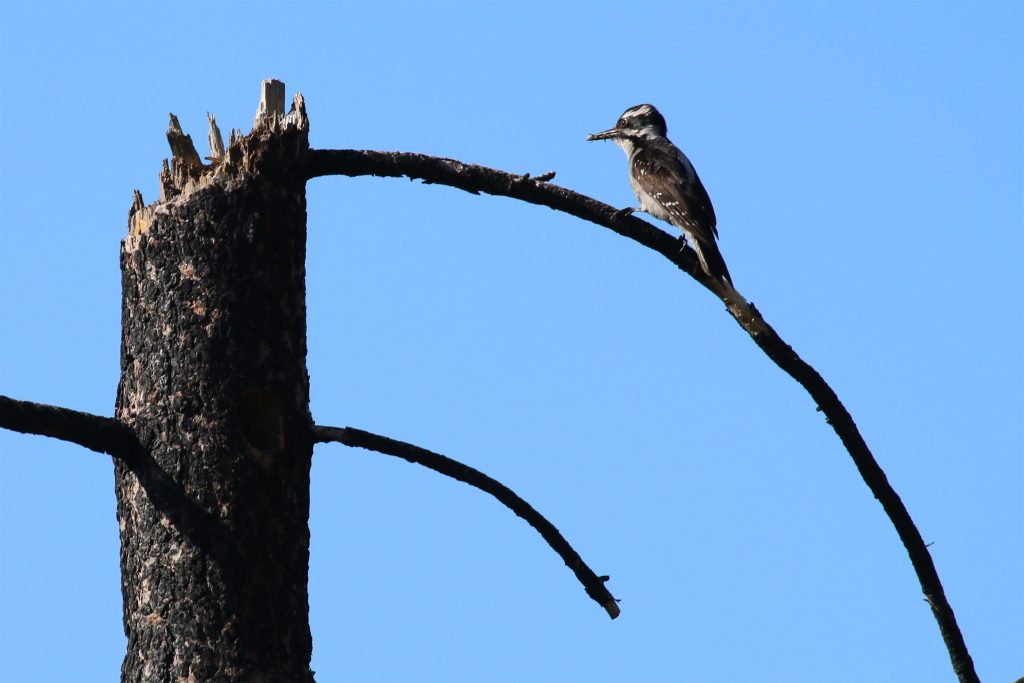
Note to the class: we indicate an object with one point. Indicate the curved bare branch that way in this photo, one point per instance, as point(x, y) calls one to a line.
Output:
point(477, 179)
point(357, 438)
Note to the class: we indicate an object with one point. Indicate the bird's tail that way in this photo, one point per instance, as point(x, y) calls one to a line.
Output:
point(711, 260)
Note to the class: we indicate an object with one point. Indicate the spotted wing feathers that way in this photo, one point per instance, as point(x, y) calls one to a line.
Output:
point(668, 178)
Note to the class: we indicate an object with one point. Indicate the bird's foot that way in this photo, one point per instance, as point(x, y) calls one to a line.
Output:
point(622, 213)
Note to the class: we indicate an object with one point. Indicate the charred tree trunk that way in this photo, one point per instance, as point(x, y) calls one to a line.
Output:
point(214, 512)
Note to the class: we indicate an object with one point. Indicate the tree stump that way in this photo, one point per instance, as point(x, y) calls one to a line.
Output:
point(214, 520)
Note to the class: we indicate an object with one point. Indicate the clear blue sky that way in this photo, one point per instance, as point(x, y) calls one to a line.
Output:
point(866, 162)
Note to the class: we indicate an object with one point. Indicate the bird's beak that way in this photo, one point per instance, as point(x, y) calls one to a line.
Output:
point(605, 135)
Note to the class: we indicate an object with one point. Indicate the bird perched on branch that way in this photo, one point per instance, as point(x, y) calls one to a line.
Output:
point(666, 183)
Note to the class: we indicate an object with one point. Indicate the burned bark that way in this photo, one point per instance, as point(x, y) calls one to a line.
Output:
point(215, 387)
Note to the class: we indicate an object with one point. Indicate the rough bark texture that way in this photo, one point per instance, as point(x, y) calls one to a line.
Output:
point(215, 387)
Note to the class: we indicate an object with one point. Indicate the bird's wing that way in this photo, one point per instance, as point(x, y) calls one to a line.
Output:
point(670, 179)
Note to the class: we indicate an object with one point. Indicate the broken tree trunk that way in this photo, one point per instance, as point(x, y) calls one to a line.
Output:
point(214, 513)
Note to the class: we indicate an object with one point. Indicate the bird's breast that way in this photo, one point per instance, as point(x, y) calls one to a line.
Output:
point(648, 203)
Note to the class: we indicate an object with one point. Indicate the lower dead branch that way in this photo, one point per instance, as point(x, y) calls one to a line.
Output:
point(100, 434)
point(107, 435)
point(357, 438)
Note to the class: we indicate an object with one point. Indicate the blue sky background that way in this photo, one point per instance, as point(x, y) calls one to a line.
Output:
point(866, 161)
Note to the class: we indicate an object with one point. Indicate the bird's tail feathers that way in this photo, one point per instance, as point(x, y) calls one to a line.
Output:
point(711, 260)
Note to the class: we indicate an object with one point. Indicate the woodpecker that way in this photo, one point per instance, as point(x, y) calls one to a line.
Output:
point(666, 183)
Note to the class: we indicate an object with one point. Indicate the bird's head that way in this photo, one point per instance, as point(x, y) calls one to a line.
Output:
point(639, 122)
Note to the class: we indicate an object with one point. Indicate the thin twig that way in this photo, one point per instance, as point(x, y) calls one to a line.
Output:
point(357, 438)
point(477, 179)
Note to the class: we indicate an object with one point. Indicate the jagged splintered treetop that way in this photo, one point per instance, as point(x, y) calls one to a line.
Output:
point(186, 172)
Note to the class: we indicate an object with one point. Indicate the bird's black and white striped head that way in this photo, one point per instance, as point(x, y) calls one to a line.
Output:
point(637, 124)
point(643, 120)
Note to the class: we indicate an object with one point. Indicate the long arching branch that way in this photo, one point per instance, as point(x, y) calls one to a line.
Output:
point(357, 438)
point(477, 179)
